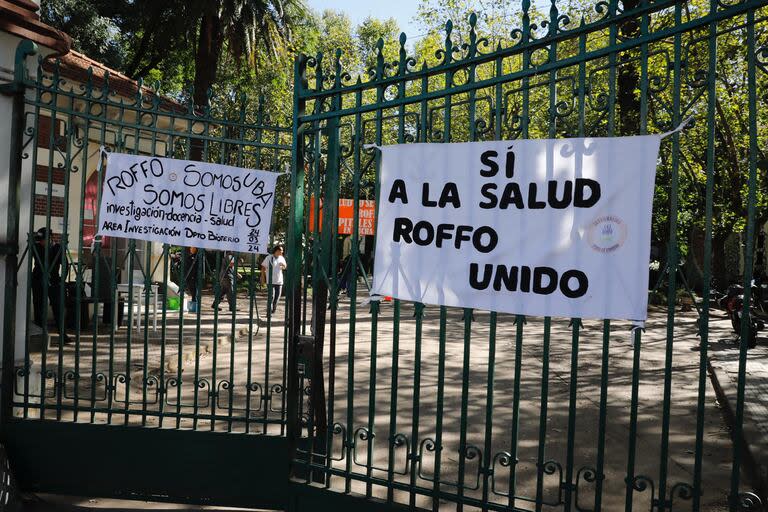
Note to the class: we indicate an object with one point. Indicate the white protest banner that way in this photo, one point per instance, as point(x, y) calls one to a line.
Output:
point(182, 202)
point(531, 227)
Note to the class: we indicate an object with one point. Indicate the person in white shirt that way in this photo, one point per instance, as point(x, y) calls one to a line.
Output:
point(346, 248)
point(272, 269)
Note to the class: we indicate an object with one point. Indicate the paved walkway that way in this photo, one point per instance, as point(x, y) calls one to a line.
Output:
point(724, 359)
point(360, 402)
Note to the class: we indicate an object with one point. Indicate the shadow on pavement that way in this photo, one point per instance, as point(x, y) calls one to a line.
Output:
point(55, 503)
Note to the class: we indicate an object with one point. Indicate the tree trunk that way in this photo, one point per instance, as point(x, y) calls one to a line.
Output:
point(628, 81)
point(207, 55)
point(719, 262)
point(209, 45)
point(130, 70)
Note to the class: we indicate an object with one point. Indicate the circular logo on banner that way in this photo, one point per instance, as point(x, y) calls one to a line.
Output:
point(607, 233)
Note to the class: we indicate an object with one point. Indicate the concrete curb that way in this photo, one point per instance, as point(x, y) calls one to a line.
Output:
point(749, 459)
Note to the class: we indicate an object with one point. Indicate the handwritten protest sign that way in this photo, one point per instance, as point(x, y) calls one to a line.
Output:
point(533, 227)
point(188, 203)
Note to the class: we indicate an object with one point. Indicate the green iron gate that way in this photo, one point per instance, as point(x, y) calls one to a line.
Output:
point(397, 404)
point(388, 404)
point(169, 404)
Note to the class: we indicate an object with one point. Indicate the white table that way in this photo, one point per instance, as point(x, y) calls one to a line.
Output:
point(138, 292)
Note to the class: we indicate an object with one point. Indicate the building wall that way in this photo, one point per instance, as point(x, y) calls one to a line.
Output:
point(8, 45)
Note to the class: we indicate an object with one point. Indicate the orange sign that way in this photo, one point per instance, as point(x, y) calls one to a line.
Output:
point(366, 216)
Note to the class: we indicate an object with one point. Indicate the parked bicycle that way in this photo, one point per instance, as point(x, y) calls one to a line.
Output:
point(733, 303)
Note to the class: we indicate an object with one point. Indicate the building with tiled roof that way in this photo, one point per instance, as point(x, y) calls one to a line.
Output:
point(75, 105)
point(19, 19)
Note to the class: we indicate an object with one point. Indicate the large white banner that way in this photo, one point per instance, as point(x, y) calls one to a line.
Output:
point(189, 203)
point(532, 227)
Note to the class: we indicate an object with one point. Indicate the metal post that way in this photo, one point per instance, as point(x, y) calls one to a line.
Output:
point(294, 250)
point(17, 89)
point(325, 266)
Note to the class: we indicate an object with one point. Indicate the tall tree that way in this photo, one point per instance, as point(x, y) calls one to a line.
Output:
point(242, 25)
point(138, 36)
point(93, 32)
point(628, 90)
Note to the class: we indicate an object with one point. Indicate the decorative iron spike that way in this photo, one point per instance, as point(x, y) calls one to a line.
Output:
point(337, 64)
point(379, 71)
point(402, 64)
point(553, 15)
point(191, 99)
point(472, 34)
point(319, 71)
point(301, 68)
point(89, 77)
point(448, 43)
point(525, 31)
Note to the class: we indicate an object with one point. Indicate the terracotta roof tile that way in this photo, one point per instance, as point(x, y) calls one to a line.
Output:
point(20, 18)
point(75, 65)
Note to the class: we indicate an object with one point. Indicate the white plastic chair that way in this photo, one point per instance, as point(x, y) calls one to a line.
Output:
point(138, 298)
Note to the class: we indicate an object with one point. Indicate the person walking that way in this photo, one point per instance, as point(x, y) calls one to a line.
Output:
point(190, 262)
point(226, 282)
point(47, 267)
point(272, 269)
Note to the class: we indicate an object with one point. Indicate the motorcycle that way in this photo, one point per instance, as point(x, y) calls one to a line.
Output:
point(733, 303)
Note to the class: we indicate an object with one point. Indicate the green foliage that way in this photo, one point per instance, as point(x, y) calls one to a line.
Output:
point(93, 33)
point(368, 34)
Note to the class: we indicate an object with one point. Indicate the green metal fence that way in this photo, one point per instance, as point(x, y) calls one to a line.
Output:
point(134, 374)
point(423, 406)
point(387, 404)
